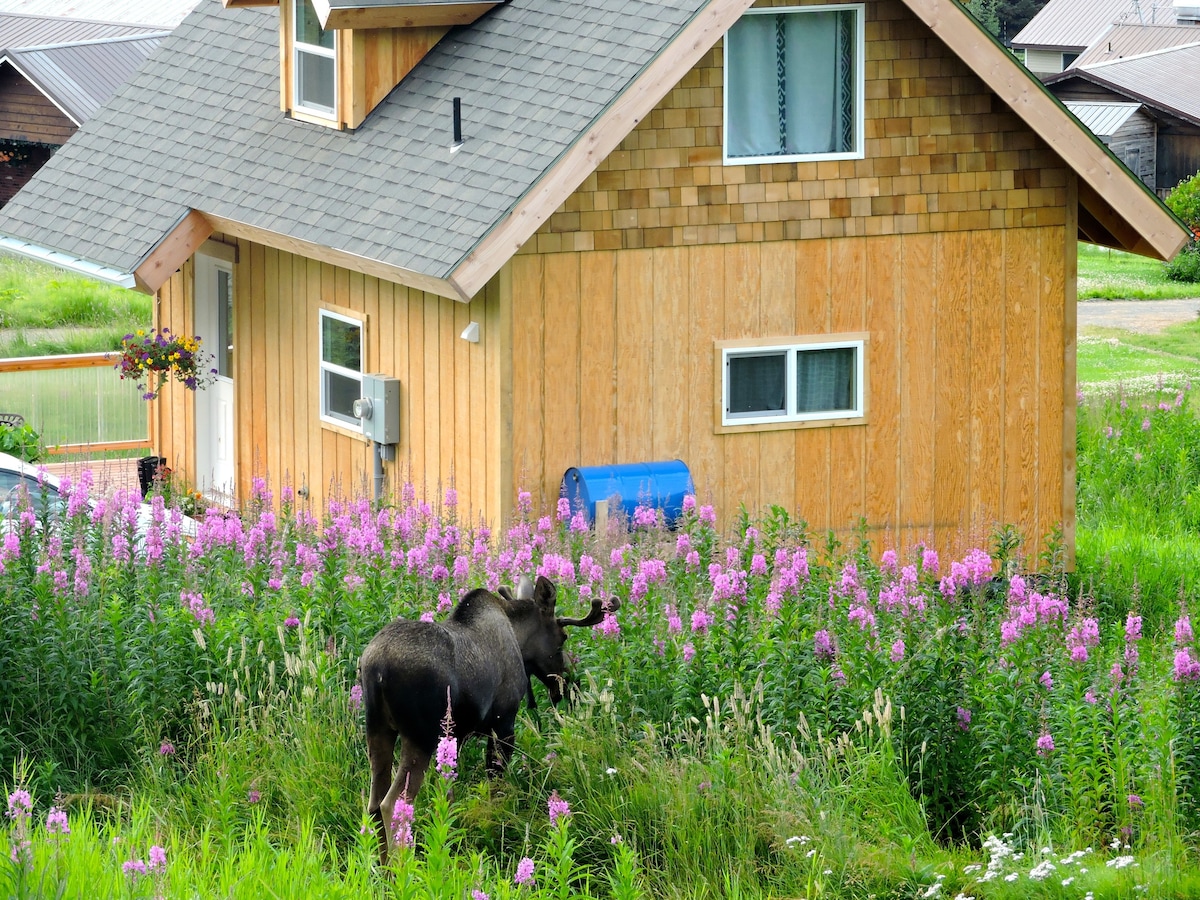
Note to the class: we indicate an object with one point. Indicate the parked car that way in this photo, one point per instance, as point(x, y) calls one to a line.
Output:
point(18, 477)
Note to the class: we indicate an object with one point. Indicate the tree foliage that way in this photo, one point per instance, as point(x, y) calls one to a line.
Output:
point(1004, 18)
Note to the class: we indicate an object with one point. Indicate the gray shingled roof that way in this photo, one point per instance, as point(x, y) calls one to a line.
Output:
point(199, 127)
point(78, 78)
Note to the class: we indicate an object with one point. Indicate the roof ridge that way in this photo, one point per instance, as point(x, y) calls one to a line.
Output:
point(45, 18)
point(1125, 59)
point(115, 39)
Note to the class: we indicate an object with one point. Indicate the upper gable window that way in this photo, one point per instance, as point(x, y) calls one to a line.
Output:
point(794, 85)
point(315, 62)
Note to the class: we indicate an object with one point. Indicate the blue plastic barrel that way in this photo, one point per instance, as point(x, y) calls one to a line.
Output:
point(661, 485)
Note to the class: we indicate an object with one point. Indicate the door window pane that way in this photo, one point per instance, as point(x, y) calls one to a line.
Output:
point(224, 349)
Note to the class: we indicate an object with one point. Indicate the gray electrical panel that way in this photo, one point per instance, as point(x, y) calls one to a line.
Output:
point(379, 408)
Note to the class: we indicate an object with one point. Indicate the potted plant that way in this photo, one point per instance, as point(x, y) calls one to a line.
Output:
point(151, 358)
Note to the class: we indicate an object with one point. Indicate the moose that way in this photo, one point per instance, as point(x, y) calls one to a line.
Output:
point(481, 660)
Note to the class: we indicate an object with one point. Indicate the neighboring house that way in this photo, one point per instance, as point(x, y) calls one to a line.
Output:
point(1126, 129)
point(162, 14)
point(1063, 30)
point(1166, 85)
point(54, 73)
point(643, 243)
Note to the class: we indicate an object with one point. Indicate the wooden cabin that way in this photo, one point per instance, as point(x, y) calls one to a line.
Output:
point(583, 236)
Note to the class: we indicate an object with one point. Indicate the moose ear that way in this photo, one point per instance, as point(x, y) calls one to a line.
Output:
point(525, 588)
point(544, 593)
point(506, 594)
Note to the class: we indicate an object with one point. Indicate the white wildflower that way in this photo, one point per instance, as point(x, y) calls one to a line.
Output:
point(1120, 862)
point(1012, 876)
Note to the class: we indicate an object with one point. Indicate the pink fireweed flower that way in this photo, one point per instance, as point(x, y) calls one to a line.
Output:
point(1045, 744)
point(292, 621)
point(823, 645)
point(451, 500)
point(674, 623)
point(356, 698)
point(427, 616)
point(1089, 696)
point(1047, 680)
point(1133, 628)
point(1145, 424)
point(564, 509)
point(559, 809)
point(402, 822)
point(1134, 800)
point(1085, 634)
point(477, 894)
point(888, 561)
point(1186, 667)
point(524, 501)
point(897, 653)
point(689, 503)
point(964, 718)
point(609, 626)
point(134, 868)
point(447, 748)
point(57, 823)
point(929, 560)
point(758, 565)
point(253, 796)
point(702, 620)
point(708, 515)
point(1183, 629)
point(166, 748)
point(20, 805)
point(524, 871)
point(158, 858)
point(689, 652)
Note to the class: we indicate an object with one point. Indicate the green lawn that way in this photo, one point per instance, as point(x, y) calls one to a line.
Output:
point(1113, 275)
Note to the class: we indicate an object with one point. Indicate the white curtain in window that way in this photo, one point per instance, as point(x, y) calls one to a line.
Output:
point(790, 83)
point(825, 380)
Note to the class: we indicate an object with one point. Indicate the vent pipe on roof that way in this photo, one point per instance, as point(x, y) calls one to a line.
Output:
point(458, 138)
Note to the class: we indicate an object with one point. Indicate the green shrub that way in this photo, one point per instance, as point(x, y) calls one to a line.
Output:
point(21, 441)
point(1184, 201)
point(1186, 265)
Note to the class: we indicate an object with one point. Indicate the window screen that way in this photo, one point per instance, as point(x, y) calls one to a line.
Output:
point(758, 383)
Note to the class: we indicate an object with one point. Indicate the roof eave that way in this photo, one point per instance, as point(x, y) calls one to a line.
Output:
point(61, 260)
point(1151, 229)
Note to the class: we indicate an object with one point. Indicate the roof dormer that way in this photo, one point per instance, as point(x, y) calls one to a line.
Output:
point(340, 58)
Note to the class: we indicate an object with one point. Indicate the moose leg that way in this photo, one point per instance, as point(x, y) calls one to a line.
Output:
point(410, 775)
point(380, 753)
point(500, 746)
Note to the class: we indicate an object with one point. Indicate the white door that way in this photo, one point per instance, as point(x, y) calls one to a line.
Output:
point(216, 476)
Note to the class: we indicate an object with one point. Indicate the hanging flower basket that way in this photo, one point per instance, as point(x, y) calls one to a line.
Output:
point(151, 358)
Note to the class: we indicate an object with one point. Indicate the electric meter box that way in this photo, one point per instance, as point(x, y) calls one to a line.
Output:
point(381, 422)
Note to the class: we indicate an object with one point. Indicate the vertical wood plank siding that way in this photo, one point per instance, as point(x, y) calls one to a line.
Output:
point(964, 370)
point(449, 394)
point(945, 244)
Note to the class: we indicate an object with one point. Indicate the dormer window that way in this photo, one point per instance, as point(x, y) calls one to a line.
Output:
point(316, 63)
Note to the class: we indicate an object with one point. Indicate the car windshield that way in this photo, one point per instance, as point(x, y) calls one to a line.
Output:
point(13, 484)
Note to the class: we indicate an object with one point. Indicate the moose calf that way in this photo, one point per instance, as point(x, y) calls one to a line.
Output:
point(482, 657)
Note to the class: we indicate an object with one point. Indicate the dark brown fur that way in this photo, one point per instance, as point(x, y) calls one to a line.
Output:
point(483, 658)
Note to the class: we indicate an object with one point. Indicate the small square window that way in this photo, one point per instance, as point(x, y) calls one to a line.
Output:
point(802, 380)
point(341, 368)
point(794, 82)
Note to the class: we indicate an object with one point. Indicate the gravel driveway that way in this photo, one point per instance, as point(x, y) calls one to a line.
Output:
point(1146, 316)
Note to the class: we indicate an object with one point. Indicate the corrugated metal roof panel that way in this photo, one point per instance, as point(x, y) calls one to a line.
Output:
point(161, 13)
point(1103, 119)
point(36, 31)
point(1122, 41)
point(1165, 79)
point(1071, 24)
point(80, 77)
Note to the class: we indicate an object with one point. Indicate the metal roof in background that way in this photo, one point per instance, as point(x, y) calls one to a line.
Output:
point(159, 13)
point(1072, 24)
point(1123, 41)
point(79, 77)
point(18, 30)
point(1164, 79)
point(1103, 119)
